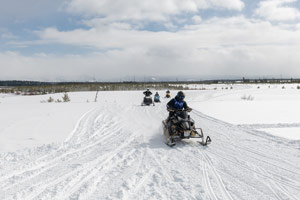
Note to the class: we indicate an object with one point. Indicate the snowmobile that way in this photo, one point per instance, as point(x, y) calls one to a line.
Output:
point(182, 126)
point(168, 95)
point(147, 101)
point(156, 99)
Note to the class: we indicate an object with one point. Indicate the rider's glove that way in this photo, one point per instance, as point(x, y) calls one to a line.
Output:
point(189, 109)
point(170, 110)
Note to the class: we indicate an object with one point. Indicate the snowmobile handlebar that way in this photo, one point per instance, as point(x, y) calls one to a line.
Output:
point(179, 110)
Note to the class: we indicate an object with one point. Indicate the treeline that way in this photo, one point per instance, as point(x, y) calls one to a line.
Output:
point(273, 80)
point(16, 83)
point(76, 87)
point(36, 88)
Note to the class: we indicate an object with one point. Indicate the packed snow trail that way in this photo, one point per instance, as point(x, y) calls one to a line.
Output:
point(117, 151)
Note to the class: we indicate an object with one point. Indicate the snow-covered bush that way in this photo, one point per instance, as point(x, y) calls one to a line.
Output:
point(66, 98)
point(50, 99)
point(247, 97)
point(58, 101)
point(298, 87)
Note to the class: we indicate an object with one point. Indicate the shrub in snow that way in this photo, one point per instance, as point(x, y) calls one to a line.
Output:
point(298, 87)
point(66, 98)
point(283, 87)
point(50, 99)
point(58, 101)
point(247, 98)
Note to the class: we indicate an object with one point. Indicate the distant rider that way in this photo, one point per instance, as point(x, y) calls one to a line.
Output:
point(147, 93)
point(168, 94)
point(156, 97)
point(177, 103)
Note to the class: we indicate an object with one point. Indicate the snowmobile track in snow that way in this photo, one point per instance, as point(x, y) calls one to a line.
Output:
point(117, 151)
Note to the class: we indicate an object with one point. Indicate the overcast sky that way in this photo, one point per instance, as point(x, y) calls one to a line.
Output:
point(71, 40)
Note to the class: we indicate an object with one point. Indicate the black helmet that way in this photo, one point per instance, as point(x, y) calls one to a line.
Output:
point(180, 95)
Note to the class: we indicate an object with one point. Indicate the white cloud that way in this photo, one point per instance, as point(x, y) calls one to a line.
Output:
point(217, 47)
point(210, 33)
point(154, 10)
point(277, 10)
point(235, 61)
point(197, 19)
point(234, 46)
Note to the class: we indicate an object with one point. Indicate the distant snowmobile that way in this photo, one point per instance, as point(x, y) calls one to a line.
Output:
point(156, 98)
point(168, 94)
point(148, 101)
point(182, 126)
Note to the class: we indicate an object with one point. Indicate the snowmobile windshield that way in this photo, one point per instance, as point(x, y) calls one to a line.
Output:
point(182, 114)
point(182, 117)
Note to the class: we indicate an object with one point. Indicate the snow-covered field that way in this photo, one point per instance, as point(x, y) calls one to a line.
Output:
point(114, 148)
point(269, 107)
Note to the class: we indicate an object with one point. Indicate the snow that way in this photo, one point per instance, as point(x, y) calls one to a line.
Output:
point(114, 148)
point(270, 105)
point(25, 122)
point(290, 133)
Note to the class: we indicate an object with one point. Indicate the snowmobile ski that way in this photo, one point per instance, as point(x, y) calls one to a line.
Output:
point(171, 144)
point(205, 142)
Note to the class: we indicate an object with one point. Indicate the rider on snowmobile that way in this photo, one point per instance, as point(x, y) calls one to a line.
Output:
point(156, 97)
point(168, 95)
point(179, 124)
point(147, 93)
point(177, 103)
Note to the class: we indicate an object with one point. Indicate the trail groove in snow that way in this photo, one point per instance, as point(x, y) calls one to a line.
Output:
point(117, 151)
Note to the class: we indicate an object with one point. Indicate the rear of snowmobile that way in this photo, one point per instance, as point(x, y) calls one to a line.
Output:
point(157, 99)
point(180, 128)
